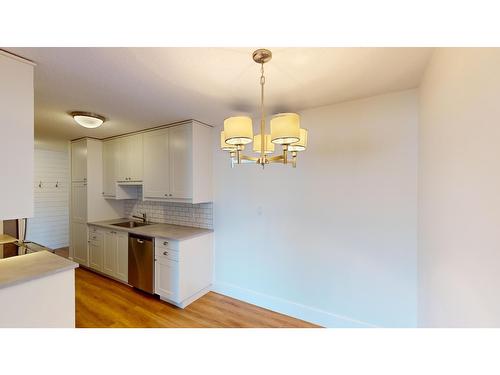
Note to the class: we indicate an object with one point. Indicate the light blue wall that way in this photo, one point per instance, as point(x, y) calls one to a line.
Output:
point(334, 240)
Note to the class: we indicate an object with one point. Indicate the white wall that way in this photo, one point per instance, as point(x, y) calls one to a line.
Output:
point(49, 225)
point(334, 240)
point(16, 137)
point(459, 189)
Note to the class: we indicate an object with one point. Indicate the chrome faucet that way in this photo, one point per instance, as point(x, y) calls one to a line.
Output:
point(143, 217)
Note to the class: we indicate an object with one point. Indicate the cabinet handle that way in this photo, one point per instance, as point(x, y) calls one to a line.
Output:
point(165, 253)
point(165, 243)
point(170, 195)
point(140, 241)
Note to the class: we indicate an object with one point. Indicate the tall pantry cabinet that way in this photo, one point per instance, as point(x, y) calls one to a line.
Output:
point(87, 202)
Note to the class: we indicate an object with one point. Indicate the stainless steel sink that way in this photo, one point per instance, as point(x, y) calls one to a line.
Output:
point(131, 224)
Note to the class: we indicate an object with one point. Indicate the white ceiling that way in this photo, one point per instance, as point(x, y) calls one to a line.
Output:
point(137, 88)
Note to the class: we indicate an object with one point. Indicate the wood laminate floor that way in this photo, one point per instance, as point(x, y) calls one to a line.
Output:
point(102, 302)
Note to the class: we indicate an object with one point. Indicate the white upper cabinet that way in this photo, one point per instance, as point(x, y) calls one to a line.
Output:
point(173, 164)
point(129, 152)
point(79, 161)
point(156, 164)
point(174, 168)
point(17, 140)
point(109, 168)
point(181, 161)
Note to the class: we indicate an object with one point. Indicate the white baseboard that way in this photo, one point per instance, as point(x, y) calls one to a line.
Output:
point(293, 309)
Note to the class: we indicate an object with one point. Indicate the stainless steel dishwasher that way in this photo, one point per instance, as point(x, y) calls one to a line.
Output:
point(141, 262)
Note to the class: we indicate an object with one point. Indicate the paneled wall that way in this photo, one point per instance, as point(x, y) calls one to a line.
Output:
point(49, 226)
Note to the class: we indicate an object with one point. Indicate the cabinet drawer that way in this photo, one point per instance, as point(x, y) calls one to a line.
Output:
point(161, 243)
point(167, 254)
point(95, 236)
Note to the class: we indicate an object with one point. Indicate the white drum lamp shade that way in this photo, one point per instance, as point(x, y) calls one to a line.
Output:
point(238, 130)
point(301, 144)
point(285, 128)
point(223, 145)
point(268, 146)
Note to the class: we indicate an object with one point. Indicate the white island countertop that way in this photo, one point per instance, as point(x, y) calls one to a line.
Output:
point(167, 231)
point(23, 268)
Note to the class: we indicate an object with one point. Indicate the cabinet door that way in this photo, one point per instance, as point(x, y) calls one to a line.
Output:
point(109, 254)
point(180, 151)
point(135, 157)
point(95, 255)
point(166, 278)
point(79, 242)
point(109, 172)
point(156, 164)
point(79, 160)
point(79, 202)
point(122, 256)
point(121, 154)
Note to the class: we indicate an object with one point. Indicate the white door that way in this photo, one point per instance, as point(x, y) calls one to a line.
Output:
point(109, 253)
point(109, 168)
point(79, 202)
point(166, 278)
point(122, 256)
point(79, 242)
point(180, 150)
point(156, 164)
point(135, 157)
point(79, 160)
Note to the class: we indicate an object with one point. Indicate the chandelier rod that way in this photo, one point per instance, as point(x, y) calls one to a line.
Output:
point(263, 117)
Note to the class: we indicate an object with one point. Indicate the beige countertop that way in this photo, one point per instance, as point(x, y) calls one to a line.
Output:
point(22, 268)
point(167, 231)
point(5, 238)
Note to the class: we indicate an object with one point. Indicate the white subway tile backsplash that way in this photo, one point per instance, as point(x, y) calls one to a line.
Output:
point(193, 215)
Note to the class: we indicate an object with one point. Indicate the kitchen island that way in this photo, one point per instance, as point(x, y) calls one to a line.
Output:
point(37, 290)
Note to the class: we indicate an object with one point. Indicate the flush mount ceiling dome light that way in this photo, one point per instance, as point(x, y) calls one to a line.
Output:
point(285, 130)
point(88, 119)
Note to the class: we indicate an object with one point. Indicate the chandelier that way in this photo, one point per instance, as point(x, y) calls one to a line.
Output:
point(285, 130)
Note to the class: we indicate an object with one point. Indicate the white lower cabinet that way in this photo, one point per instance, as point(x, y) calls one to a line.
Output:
point(108, 251)
point(183, 269)
point(79, 242)
point(167, 278)
point(122, 256)
point(109, 258)
point(96, 248)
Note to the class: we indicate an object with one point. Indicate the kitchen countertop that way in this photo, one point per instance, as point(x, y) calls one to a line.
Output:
point(32, 266)
point(167, 231)
point(5, 238)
